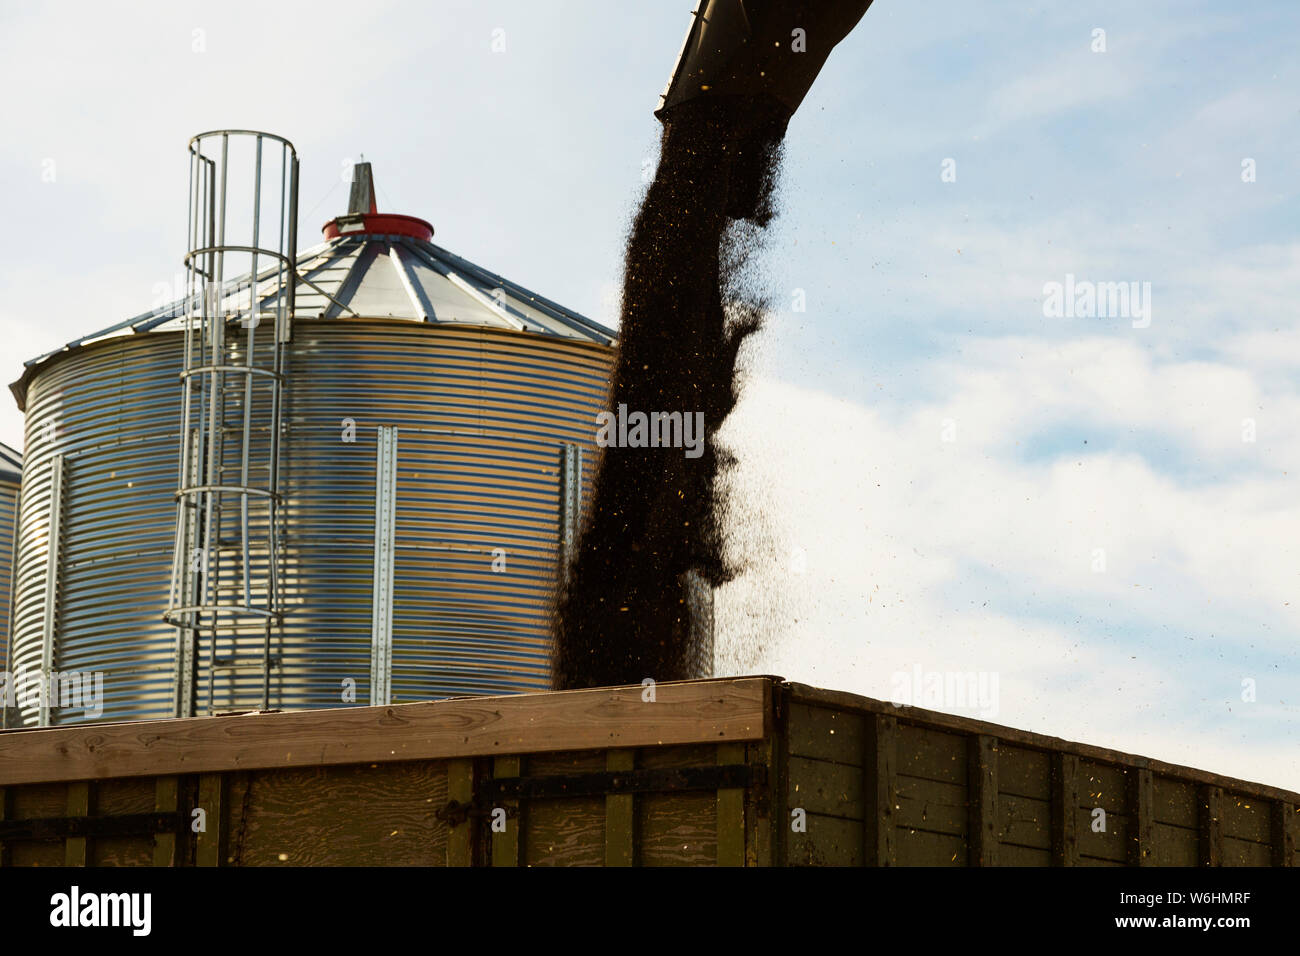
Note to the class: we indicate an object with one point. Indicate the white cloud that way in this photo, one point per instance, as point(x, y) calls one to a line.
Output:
point(922, 552)
point(1073, 80)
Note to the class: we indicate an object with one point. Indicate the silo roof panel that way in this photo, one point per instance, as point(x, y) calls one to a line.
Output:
point(11, 465)
point(376, 276)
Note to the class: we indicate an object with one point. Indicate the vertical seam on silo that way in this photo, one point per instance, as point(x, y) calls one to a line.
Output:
point(52, 561)
point(9, 603)
point(385, 542)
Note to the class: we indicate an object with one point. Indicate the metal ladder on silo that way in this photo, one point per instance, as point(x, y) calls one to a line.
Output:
point(225, 566)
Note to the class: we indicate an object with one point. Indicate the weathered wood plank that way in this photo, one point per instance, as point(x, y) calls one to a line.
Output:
point(1175, 801)
point(983, 788)
point(1246, 853)
point(1024, 773)
point(1012, 854)
point(832, 789)
point(167, 794)
point(573, 762)
point(731, 811)
point(679, 829)
point(827, 841)
point(1103, 785)
point(37, 853)
point(39, 800)
point(210, 842)
point(683, 712)
point(1026, 822)
point(879, 788)
point(1065, 814)
point(505, 844)
point(460, 788)
point(1246, 818)
point(571, 831)
point(119, 798)
point(1109, 844)
point(1174, 845)
point(5, 814)
point(1286, 832)
point(236, 799)
point(778, 751)
point(932, 754)
point(369, 815)
point(931, 805)
point(1142, 807)
point(1210, 826)
point(74, 848)
point(924, 848)
point(620, 814)
point(565, 832)
point(760, 813)
point(1104, 835)
point(27, 803)
point(825, 734)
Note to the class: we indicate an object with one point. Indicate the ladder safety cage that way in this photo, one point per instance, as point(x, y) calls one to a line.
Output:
point(225, 598)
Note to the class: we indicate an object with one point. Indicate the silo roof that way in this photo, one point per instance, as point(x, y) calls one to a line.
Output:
point(11, 465)
point(376, 266)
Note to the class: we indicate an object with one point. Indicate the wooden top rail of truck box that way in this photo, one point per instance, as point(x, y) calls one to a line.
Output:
point(733, 771)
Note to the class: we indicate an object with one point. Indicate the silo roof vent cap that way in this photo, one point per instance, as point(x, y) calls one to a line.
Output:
point(363, 215)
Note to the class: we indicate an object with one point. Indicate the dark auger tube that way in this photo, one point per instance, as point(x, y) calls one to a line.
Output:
point(765, 51)
point(632, 606)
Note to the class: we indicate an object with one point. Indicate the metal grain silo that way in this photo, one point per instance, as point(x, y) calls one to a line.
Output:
point(11, 469)
point(435, 436)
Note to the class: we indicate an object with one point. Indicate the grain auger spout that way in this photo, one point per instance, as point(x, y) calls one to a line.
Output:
point(754, 61)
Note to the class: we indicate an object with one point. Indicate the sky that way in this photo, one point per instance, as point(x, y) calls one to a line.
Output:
point(1091, 510)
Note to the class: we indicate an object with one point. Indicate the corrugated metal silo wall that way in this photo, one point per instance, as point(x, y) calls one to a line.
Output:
point(481, 417)
point(111, 413)
point(8, 539)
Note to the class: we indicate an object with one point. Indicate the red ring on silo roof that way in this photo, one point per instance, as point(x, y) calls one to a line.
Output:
point(378, 223)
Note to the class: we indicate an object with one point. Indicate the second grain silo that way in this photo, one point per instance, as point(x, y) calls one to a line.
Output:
point(11, 470)
point(382, 460)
